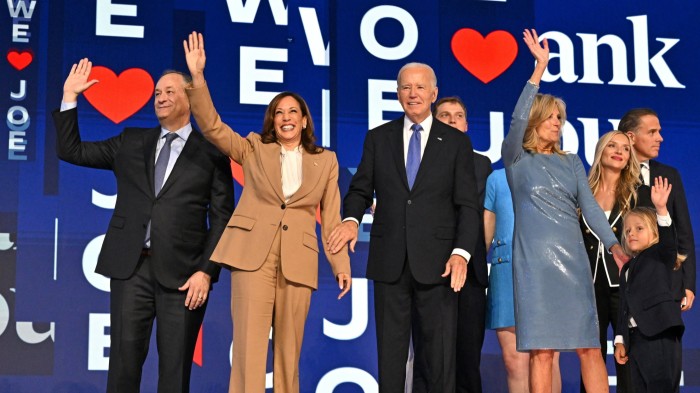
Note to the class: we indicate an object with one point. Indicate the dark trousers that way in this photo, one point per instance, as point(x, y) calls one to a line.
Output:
point(655, 362)
point(471, 326)
point(431, 311)
point(135, 303)
point(607, 302)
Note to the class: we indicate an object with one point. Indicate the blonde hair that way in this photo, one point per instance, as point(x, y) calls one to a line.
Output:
point(626, 189)
point(648, 216)
point(541, 109)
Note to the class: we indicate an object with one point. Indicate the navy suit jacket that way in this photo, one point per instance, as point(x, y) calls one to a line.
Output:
point(678, 209)
point(424, 224)
point(187, 217)
point(646, 294)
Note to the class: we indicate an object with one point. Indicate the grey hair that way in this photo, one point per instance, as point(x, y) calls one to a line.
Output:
point(433, 78)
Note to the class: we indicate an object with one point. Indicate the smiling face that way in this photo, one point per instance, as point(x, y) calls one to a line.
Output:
point(549, 131)
point(289, 122)
point(616, 153)
point(453, 114)
point(638, 235)
point(416, 92)
point(171, 103)
point(647, 138)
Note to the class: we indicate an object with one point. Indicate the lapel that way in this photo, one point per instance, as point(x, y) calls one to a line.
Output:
point(396, 145)
point(311, 168)
point(150, 140)
point(270, 162)
point(189, 154)
point(614, 215)
point(432, 154)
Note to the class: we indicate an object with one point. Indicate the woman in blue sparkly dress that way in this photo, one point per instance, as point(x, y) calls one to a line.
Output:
point(554, 300)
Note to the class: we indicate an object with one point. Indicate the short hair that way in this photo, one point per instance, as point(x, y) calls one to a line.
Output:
point(542, 107)
point(433, 78)
point(631, 120)
point(308, 139)
point(185, 76)
point(450, 100)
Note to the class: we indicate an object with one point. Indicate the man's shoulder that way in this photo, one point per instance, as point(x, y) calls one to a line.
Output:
point(664, 168)
point(388, 126)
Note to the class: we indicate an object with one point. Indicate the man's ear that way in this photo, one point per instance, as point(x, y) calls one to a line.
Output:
point(631, 135)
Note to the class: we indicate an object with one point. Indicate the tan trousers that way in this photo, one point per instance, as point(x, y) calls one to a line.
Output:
point(261, 299)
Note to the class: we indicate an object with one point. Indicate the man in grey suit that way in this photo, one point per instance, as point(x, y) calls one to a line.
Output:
point(425, 229)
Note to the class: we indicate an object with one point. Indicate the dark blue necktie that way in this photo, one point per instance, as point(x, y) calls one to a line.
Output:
point(162, 162)
point(413, 158)
point(159, 172)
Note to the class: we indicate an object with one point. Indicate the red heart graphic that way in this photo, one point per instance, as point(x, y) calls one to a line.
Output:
point(118, 97)
point(19, 60)
point(485, 58)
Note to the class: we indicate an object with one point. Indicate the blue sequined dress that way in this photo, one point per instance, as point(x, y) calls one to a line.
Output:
point(554, 298)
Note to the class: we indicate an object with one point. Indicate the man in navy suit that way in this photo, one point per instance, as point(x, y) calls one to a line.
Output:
point(642, 125)
point(471, 315)
point(174, 198)
point(425, 229)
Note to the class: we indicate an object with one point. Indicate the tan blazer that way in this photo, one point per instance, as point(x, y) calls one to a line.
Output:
point(262, 210)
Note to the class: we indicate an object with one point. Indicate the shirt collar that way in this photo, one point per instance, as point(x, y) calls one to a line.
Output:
point(284, 152)
point(183, 132)
point(426, 124)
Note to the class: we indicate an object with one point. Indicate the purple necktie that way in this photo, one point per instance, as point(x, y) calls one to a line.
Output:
point(413, 159)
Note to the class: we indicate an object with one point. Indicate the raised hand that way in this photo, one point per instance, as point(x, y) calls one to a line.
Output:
point(659, 194)
point(539, 51)
point(195, 56)
point(77, 81)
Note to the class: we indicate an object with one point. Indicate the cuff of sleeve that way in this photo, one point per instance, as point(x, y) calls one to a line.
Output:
point(66, 106)
point(618, 340)
point(353, 219)
point(462, 253)
point(664, 221)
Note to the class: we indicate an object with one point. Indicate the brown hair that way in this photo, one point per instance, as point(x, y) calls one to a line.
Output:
point(450, 100)
point(648, 216)
point(541, 109)
point(630, 121)
point(308, 139)
point(626, 189)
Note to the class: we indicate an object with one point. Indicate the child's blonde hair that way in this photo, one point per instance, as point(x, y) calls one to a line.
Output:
point(648, 216)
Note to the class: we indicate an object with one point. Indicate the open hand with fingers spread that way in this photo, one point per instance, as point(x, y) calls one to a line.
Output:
point(195, 56)
point(77, 81)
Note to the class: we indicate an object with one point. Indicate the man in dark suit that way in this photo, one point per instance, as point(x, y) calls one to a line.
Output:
point(425, 230)
point(643, 126)
point(471, 314)
point(170, 183)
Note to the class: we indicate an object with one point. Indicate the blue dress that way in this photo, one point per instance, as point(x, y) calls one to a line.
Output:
point(554, 298)
point(499, 298)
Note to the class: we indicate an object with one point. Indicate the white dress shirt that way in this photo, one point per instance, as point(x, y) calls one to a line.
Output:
point(291, 170)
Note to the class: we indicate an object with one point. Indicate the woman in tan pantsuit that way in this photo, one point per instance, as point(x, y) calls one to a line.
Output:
point(270, 241)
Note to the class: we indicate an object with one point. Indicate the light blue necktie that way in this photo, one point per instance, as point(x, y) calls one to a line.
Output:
point(413, 159)
point(159, 172)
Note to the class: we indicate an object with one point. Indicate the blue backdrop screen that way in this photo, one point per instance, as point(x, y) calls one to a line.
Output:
point(343, 57)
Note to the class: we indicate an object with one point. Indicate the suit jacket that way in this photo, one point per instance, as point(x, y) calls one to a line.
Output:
point(198, 190)
point(678, 209)
point(423, 224)
point(601, 260)
point(477, 268)
point(645, 290)
point(262, 208)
